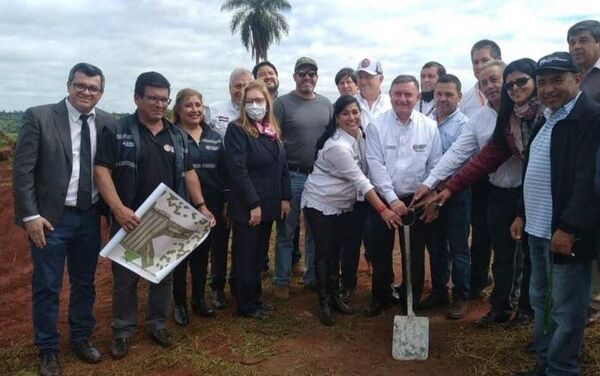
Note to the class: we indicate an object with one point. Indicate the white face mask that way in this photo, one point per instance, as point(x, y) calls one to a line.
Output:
point(256, 111)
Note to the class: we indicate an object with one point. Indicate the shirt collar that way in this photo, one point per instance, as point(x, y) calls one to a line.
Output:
point(410, 118)
point(563, 111)
point(74, 113)
point(597, 65)
point(449, 117)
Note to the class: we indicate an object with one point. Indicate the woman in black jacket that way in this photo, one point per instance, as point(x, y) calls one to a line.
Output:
point(260, 192)
point(207, 154)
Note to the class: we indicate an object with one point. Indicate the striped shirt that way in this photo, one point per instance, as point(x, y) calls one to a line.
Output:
point(537, 186)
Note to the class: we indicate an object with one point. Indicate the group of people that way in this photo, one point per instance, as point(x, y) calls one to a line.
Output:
point(514, 163)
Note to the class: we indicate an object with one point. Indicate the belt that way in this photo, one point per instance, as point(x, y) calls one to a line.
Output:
point(301, 170)
point(516, 189)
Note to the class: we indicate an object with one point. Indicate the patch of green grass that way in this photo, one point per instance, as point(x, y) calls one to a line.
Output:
point(18, 359)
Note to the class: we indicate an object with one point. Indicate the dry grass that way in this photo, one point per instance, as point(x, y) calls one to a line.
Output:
point(496, 351)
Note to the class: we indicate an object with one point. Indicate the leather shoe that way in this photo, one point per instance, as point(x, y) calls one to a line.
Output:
point(162, 337)
point(434, 300)
point(180, 315)
point(346, 294)
point(119, 348)
point(520, 320)
point(268, 307)
point(85, 351)
point(202, 310)
point(49, 365)
point(535, 371)
point(218, 299)
point(493, 317)
point(458, 309)
point(593, 315)
point(259, 314)
point(375, 308)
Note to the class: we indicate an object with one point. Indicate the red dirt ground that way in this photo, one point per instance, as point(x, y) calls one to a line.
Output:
point(318, 351)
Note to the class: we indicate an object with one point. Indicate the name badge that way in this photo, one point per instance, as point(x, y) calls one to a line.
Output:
point(419, 148)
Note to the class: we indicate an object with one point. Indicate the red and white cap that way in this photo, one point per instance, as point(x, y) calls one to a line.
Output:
point(371, 66)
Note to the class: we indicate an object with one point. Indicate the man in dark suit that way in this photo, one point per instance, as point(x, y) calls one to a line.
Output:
point(54, 196)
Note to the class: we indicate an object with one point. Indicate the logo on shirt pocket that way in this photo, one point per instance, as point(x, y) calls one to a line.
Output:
point(168, 148)
point(419, 148)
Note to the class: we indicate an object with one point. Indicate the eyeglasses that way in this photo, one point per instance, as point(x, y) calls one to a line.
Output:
point(80, 88)
point(302, 74)
point(158, 100)
point(258, 101)
point(520, 82)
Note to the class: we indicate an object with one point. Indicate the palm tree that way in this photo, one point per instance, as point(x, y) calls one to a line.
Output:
point(260, 23)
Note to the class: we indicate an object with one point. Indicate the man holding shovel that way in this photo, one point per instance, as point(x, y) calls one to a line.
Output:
point(403, 145)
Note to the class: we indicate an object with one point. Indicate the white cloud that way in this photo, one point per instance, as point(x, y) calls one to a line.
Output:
point(190, 43)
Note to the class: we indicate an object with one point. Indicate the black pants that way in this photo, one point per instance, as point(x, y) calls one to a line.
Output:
point(383, 247)
point(353, 228)
point(198, 259)
point(508, 261)
point(219, 242)
point(249, 247)
point(481, 248)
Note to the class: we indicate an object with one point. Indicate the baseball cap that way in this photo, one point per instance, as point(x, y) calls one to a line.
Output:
point(558, 61)
point(305, 61)
point(371, 66)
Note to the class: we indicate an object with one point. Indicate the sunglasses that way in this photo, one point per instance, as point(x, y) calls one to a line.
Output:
point(302, 74)
point(520, 82)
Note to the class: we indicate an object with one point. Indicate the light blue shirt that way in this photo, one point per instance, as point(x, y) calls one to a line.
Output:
point(451, 127)
point(537, 186)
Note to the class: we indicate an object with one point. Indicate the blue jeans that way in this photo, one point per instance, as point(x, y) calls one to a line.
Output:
point(447, 243)
point(559, 350)
point(75, 239)
point(284, 245)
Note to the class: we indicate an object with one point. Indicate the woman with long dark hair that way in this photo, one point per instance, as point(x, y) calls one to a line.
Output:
point(518, 111)
point(260, 192)
point(207, 154)
point(337, 182)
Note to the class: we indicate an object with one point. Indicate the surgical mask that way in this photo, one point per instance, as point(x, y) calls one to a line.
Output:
point(256, 111)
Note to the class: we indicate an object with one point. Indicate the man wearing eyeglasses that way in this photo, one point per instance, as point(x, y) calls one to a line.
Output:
point(561, 213)
point(224, 112)
point(55, 197)
point(302, 115)
point(133, 158)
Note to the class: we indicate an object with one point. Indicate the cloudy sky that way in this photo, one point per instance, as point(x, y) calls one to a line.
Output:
point(190, 43)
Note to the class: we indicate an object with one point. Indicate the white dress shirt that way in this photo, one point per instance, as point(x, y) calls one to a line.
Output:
point(472, 101)
point(339, 176)
point(221, 114)
point(75, 126)
point(400, 155)
point(475, 134)
point(368, 115)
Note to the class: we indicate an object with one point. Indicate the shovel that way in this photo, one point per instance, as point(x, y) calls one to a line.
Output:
point(411, 333)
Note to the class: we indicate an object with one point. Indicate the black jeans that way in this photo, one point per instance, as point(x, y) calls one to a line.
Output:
point(508, 263)
point(249, 247)
point(383, 247)
point(354, 224)
point(481, 246)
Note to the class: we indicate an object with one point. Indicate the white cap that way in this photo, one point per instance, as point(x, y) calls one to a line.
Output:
point(371, 66)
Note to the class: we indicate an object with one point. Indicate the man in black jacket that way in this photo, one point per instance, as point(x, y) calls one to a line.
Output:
point(561, 212)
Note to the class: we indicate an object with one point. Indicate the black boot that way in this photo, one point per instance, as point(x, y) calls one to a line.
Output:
point(334, 292)
point(338, 304)
point(325, 313)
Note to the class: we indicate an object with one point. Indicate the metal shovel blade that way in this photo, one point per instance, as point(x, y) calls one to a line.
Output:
point(411, 338)
point(411, 333)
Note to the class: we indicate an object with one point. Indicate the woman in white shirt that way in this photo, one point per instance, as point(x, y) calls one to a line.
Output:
point(331, 190)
